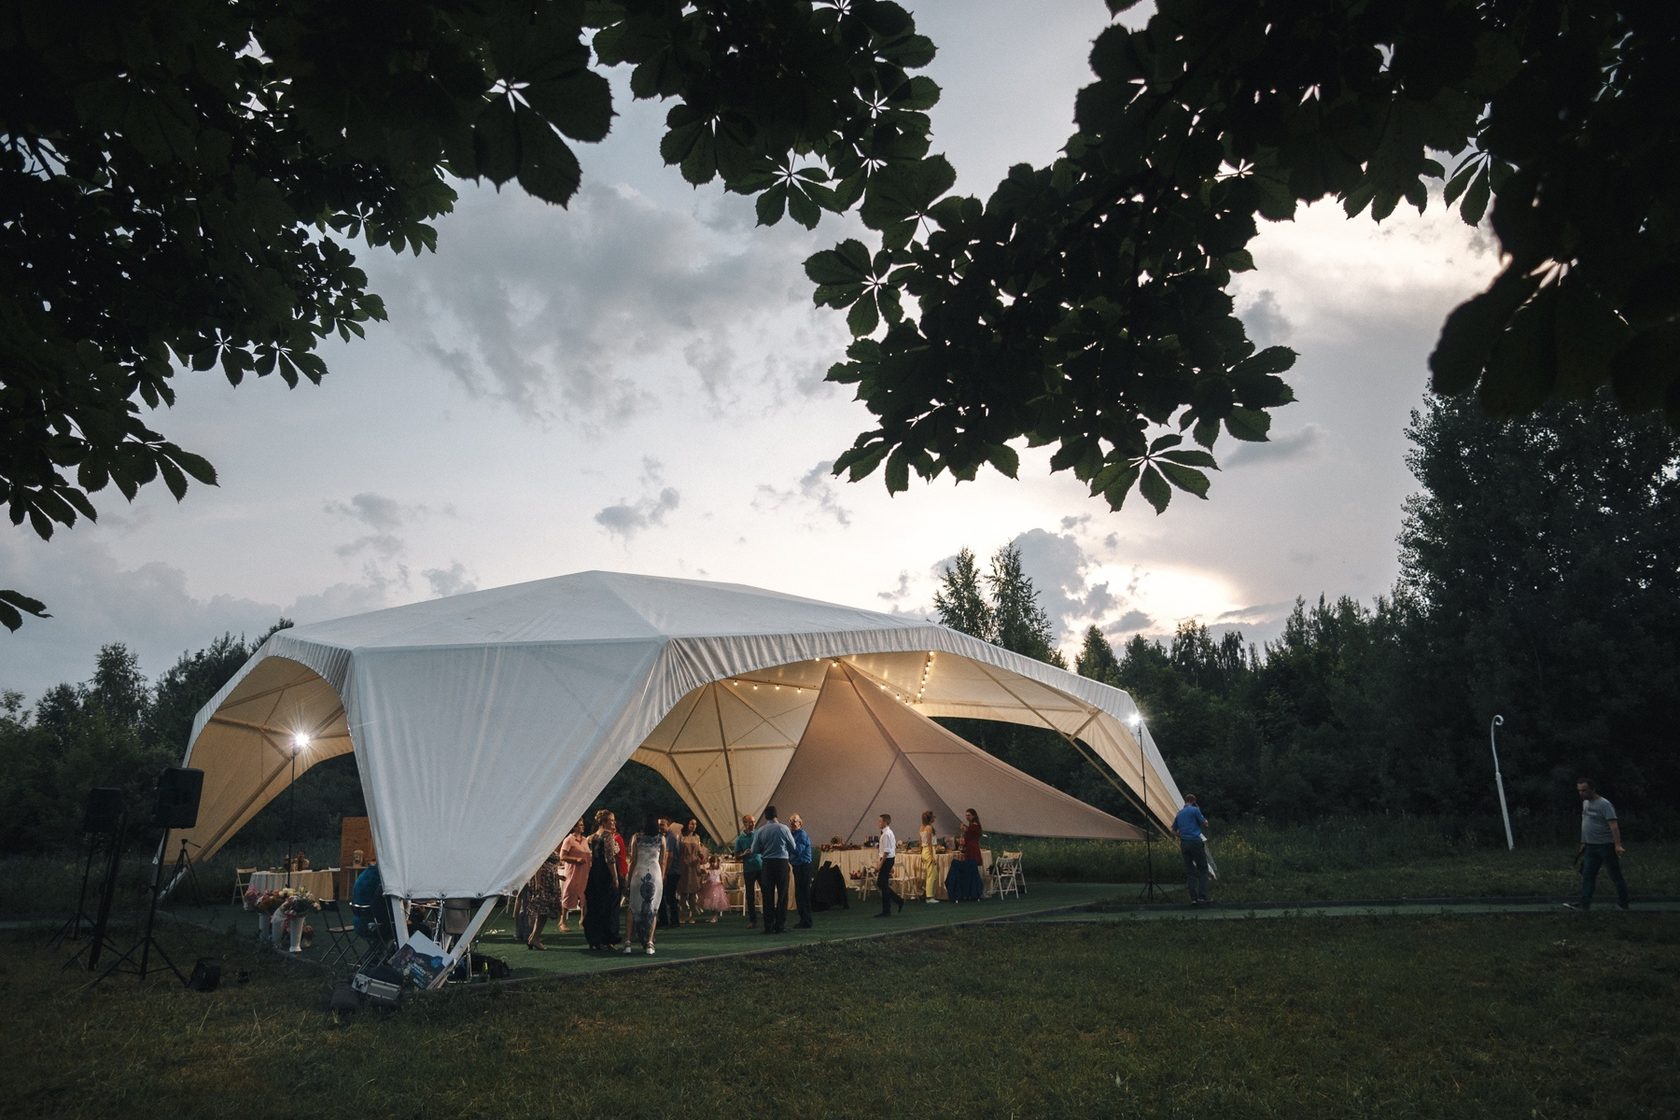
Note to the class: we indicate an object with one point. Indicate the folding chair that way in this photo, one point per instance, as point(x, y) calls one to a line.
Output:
point(1006, 874)
point(342, 932)
point(241, 880)
point(373, 934)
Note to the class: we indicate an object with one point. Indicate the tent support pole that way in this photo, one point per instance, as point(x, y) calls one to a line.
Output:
point(464, 942)
point(728, 770)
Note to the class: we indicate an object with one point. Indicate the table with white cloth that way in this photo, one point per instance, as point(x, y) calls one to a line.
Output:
point(907, 866)
point(319, 884)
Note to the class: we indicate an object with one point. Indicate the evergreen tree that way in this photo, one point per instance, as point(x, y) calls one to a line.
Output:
point(1020, 624)
point(960, 603)
point(1096, 658)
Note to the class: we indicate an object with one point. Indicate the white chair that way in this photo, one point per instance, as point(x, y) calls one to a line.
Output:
point(241, 880)
point(1006, 874)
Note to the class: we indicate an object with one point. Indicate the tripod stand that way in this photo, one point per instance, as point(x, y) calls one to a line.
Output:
point(71, 930)
point(147, 943)
point(184, 867)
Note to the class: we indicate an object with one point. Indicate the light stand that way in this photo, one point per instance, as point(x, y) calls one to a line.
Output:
point(299, 742)
point(1499, 781)
point(1150, 891)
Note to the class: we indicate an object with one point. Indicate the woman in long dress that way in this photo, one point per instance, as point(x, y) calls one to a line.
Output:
point(694, 856)
point(930, 858)
point(600, 911)
point(974, 889)
point(646, 887)
point(574, 853)
point(542, 898)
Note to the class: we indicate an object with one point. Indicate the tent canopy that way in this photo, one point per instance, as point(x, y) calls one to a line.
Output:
point(484, 724)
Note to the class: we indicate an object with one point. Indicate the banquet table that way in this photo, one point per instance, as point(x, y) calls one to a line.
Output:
point(321, 884)
point(908, 866)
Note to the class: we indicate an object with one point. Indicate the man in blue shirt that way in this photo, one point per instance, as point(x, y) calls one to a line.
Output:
point(751, 864)
point(1601, 846)
point(1188, 826)
point(804, 865)
point(773, 843)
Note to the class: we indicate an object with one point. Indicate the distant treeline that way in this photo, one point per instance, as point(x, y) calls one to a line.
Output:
point(1540, 581)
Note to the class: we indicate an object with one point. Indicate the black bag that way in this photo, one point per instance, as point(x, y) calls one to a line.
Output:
point(491, 968)
point(829, 890)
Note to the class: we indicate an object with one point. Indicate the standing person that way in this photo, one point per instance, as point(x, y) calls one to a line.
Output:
point(600, 911)
point(886, 856)
point(1188, 826)
point(670, 910)
point(930, 858)
point(574, 853)
point(1601, 846)
point(542, 898)
point(804, 863)
point(751, 864)
point(773, 843)
point(970, 867)
point(694, 857)
point(645, 891)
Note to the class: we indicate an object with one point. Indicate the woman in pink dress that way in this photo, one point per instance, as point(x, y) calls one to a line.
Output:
point(574, 853)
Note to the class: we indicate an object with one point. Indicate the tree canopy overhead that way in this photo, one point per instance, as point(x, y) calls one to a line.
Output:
point(1085, 305)
point(184, 184)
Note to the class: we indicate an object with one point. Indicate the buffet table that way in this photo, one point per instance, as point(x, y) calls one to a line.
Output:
point(319, 884)
point(908, 867)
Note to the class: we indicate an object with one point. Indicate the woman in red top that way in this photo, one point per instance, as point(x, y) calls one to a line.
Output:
point(969, 884)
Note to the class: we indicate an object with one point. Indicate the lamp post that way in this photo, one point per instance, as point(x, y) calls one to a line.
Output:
point(299, 742)
point(1150, 890)
point(1499, 781)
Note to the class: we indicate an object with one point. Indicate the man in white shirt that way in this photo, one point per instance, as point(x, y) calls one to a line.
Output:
point(887, 852)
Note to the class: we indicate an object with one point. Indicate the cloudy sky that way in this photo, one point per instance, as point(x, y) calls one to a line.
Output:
point(635, 384)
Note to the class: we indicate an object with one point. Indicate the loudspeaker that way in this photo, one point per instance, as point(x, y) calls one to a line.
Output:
point(178, 791)
point(104, 811)
point(206, 975)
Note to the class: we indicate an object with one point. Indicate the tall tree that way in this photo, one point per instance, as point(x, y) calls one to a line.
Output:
point(1542, 553)
point(1096, 658)
point(1020, 623)
point(960, 602)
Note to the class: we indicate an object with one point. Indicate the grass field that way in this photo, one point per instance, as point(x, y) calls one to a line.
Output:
point(1533, 1015)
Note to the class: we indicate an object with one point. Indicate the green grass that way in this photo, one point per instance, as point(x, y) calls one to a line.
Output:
point(1530, 1015)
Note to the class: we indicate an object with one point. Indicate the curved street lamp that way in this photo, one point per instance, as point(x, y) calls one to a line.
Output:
point(1498, 722)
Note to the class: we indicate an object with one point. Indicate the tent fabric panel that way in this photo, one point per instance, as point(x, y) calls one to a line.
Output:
point(846, 771)
point(245, 747)
point(967, 777)
point(476, 762)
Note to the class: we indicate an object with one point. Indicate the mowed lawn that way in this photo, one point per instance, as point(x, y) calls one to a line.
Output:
point(1477, 1015)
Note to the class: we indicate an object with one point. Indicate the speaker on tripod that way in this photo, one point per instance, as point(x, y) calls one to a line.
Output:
point(176, 807)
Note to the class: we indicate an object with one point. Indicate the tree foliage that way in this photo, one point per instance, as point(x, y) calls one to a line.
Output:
point(1537, 583)
point(1085, 305)
point(184, 183)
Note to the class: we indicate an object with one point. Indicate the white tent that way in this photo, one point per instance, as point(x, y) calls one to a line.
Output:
point(485, 724)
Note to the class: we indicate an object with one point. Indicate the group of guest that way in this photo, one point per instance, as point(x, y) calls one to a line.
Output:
point(664, 876)
point(592, 873)
point(775, 856)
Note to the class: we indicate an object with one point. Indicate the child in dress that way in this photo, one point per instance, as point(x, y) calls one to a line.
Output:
point(712, 897)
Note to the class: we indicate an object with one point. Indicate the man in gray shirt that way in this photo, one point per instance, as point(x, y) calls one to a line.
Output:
point(1601, 846)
